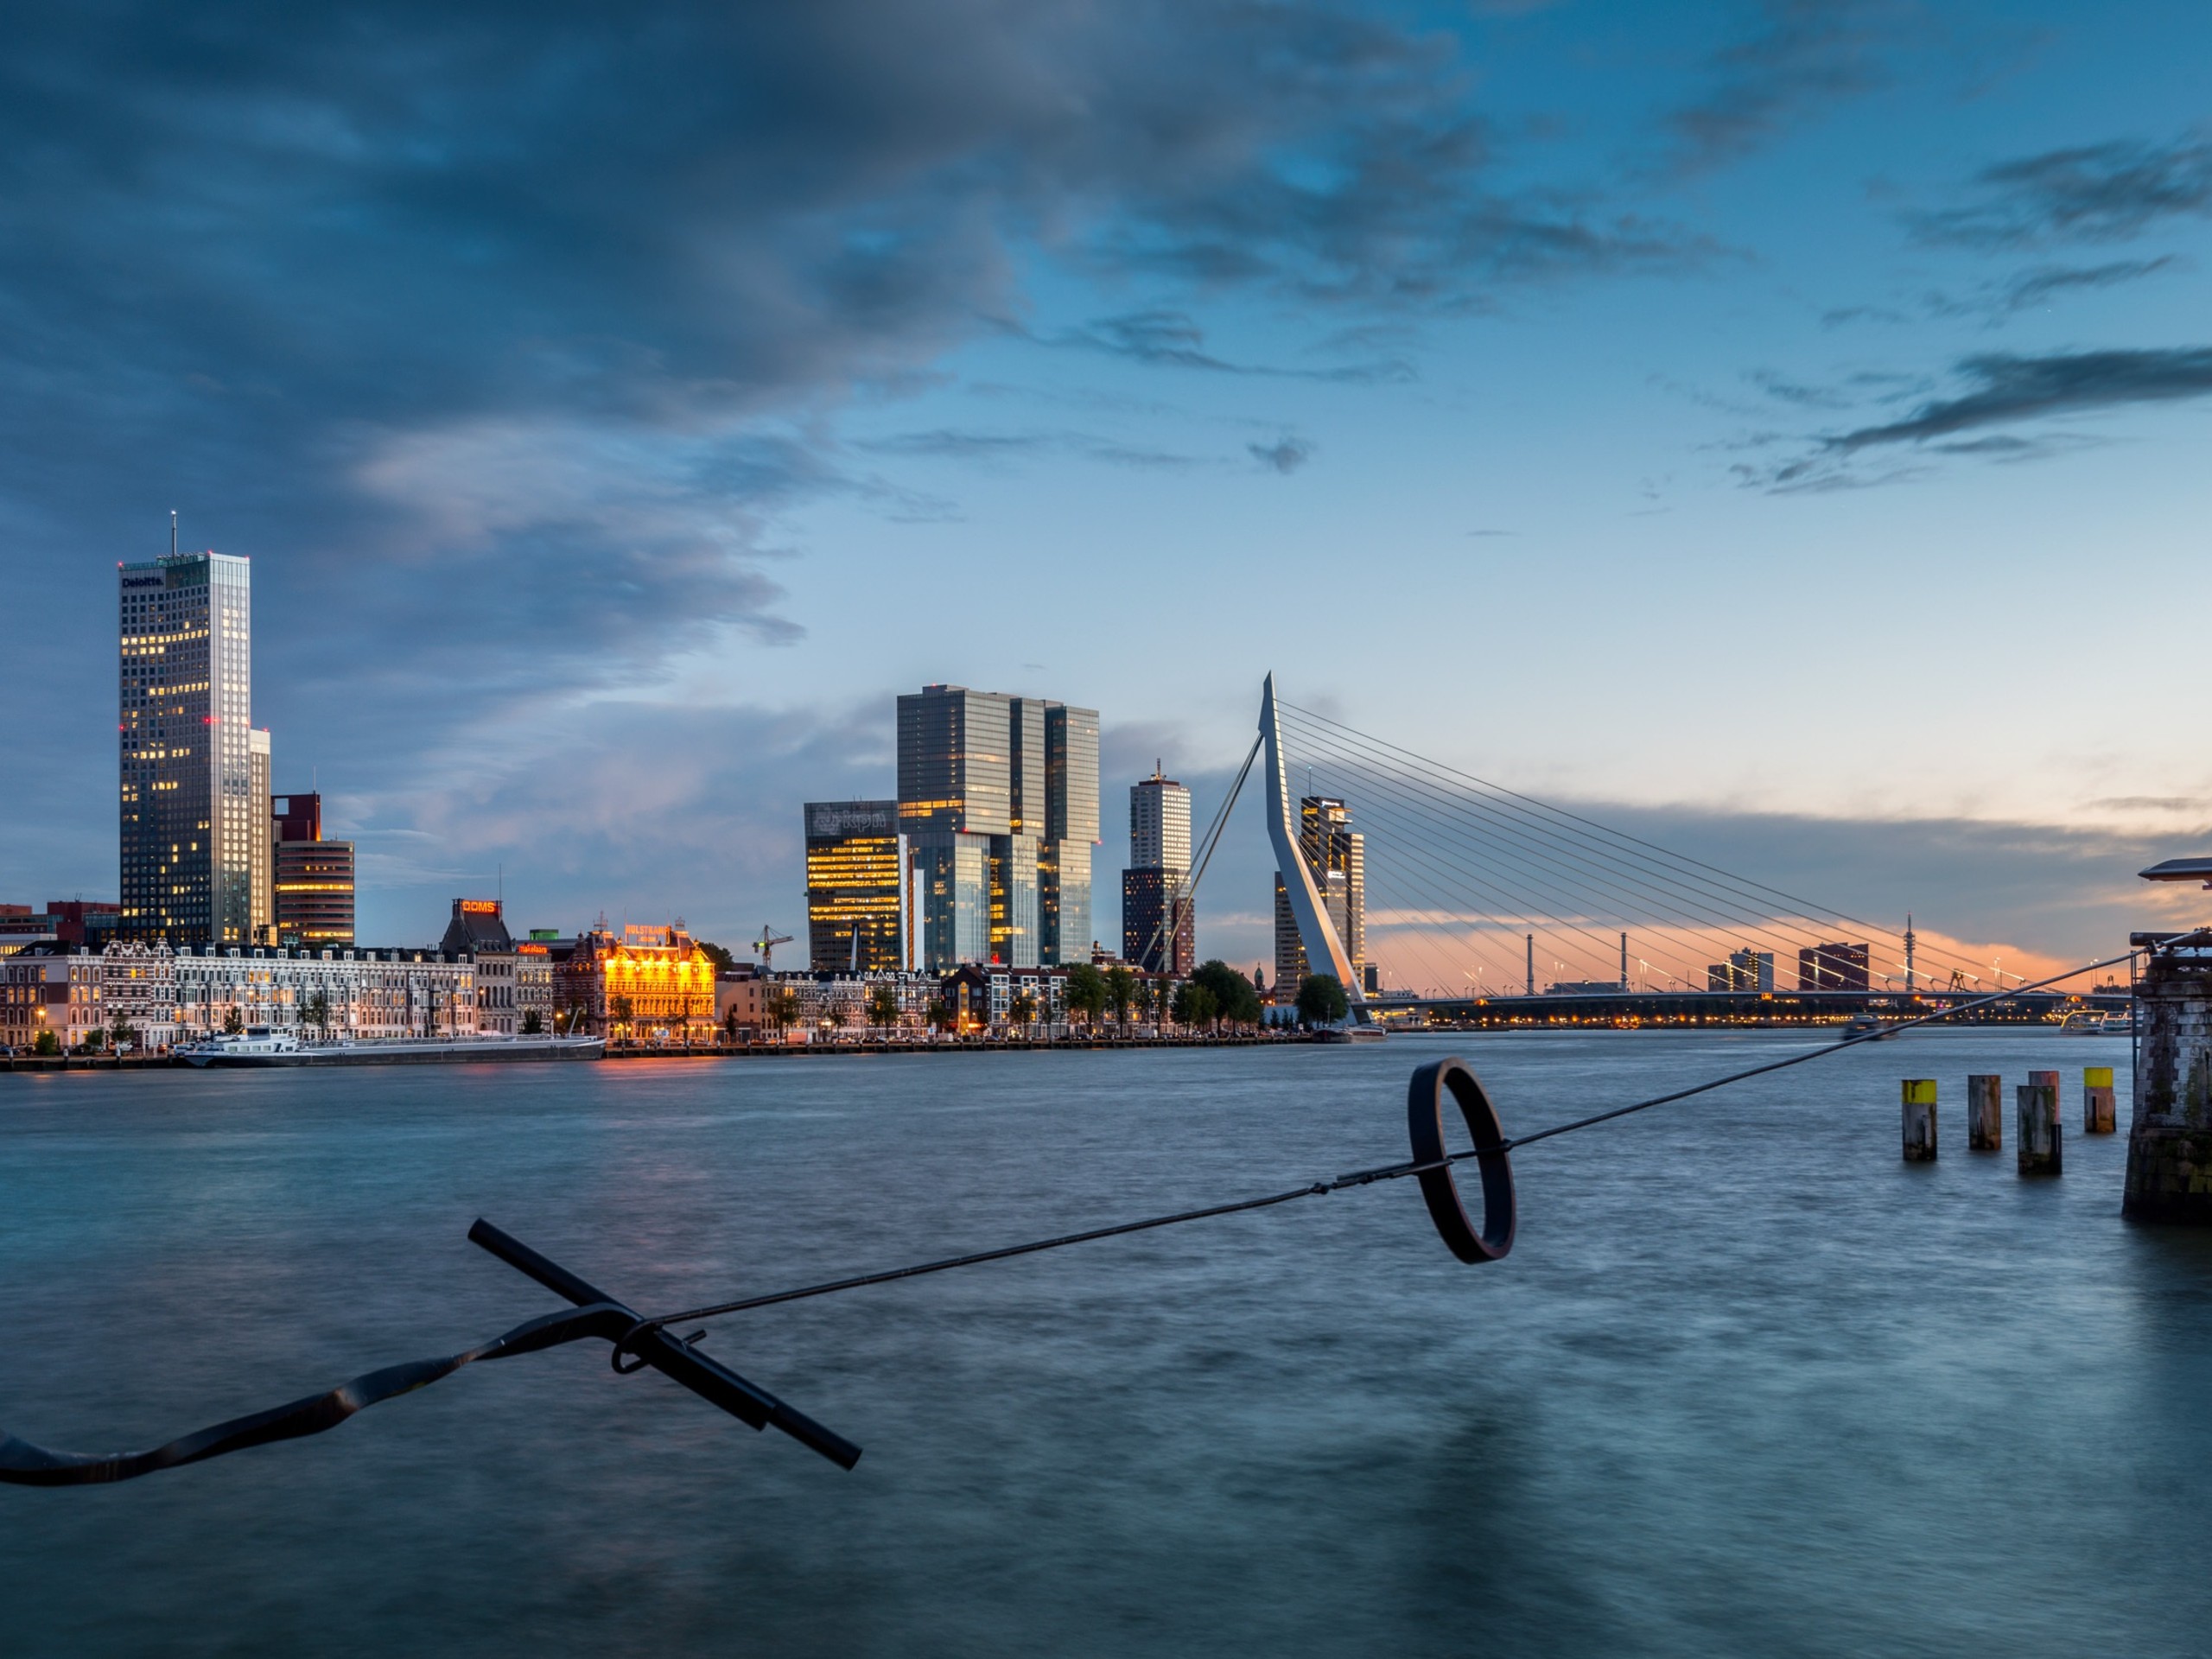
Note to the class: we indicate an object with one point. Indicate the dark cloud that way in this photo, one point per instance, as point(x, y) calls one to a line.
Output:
point(1173, 339)
point(506, 336)
point(1283, 455)
point(956, 444)
point(2005, 390)
point(2025, 290)
point(1805, 54)
point(2098, 192)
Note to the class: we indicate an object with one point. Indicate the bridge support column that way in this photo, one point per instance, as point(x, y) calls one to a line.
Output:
point(2098, 1112)
point(1920, 1119)
point(1985, 1112)
point(2169, 1138)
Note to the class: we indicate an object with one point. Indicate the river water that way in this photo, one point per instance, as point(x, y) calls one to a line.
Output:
point(1748, 1383)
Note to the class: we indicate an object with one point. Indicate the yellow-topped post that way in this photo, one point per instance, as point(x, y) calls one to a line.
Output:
point(1919, 1120)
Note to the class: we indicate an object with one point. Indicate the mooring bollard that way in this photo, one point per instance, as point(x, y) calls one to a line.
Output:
point(1985, 1112)
point(1920, 1119)
point(2040, 1147)
point(2099, 1115)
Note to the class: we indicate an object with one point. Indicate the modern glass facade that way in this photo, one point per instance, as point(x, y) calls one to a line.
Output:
point(1336, 855)
point(261, 927)
point(1159, 860)
point(190, 818)
point(856, 874)
point(314, 893)
point(1071, 831)
point(1019, 778)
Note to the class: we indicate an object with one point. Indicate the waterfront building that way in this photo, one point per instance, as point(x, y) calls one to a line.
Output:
point(51, 987)
point(1744, 970)
point(312, 879)
point(857, 875)
point(335, 995)
point(1839, 967)
point(190, 818)
point(830, 1003)
point(533, 985)
point(1337, 856)
point(998, 797)
point(645, 984)
point(479, 929)
point(1159, 924)
point(138, 989)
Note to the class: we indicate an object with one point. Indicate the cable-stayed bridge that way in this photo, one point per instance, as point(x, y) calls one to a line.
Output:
point(1478, 897)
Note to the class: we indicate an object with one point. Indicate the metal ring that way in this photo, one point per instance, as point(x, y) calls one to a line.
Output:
point(642, 1327)
point(1425, 1122)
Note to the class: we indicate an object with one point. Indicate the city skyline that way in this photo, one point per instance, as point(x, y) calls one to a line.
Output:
point(1628, 345)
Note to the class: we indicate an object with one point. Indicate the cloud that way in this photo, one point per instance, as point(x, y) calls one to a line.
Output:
point(959, 444)
point(2097, 193)
point(2005, 390)
point(1805, 53)
point(2025, 290)
point(509, 338)
point(1284, 455)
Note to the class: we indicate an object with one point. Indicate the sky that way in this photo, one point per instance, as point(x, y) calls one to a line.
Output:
point(1779, 426)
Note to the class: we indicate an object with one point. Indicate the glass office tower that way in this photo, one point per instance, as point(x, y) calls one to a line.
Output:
point(999, 798)
point(1336, 855)
point(1071, 831)
point(191, 822)
point(855, 887)
point(956, 766)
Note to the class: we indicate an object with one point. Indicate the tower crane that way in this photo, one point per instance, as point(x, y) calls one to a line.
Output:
point(767, 943)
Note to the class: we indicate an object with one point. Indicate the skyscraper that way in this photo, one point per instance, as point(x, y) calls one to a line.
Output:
point(1159, 862)
point(191, 820)
point(998, 797)
point(312, 878)
point(1336, 854)
point(262, 926)
point(856, 874)
point(1071, 831)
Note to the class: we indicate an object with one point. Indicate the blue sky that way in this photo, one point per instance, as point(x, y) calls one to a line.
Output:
point(1781, 423)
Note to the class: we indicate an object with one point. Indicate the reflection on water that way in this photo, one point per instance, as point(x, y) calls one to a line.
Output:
point(1748, 1383)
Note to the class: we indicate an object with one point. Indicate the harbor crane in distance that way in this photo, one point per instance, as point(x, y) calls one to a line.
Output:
point(767, 943)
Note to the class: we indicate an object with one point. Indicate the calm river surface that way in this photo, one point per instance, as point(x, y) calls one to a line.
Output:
point(1748, 1384)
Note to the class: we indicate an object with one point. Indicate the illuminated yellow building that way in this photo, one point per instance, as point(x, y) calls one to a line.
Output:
point(646, 985)
point(856, 888)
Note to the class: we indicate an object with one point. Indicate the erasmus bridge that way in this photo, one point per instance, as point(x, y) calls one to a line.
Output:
point(1478, 900)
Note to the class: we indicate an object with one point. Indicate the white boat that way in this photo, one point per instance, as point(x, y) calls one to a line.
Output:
point(2097, 1022)
point(259, 1042)
point(260, 1046)
point(1861, 1026)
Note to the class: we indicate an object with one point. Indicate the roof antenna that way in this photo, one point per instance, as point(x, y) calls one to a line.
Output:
point(172, 532)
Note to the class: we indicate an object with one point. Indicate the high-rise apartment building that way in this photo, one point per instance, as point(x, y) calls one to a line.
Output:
point(856, 879)
point(263, 922)
point(1336, 855)
point(1152, 885)
point(191, 820)
point(998, 797)
point(312, 878)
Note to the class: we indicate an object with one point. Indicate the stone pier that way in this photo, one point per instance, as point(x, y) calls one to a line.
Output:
point(2170, 1141)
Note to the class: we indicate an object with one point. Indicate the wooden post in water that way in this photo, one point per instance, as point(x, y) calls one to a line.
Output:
point(2040, 1152)
point(2099, 1115)
point(1919, 1120)
point(1985, 1112)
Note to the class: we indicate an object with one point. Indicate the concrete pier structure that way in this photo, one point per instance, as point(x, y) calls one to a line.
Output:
point(2170, 1135)
point(1919, 1098)
point(1985, 1112)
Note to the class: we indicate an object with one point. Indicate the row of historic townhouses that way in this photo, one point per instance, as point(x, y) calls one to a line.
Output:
point(60, 993)
point(359, 996)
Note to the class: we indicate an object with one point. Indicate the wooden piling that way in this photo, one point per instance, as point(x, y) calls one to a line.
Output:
point(2041, 1147)
point(2099, 1115)
point(1985, 1112)
point(1919, 1120)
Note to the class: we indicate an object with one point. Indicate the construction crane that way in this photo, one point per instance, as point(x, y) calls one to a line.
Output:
point(767, 943)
